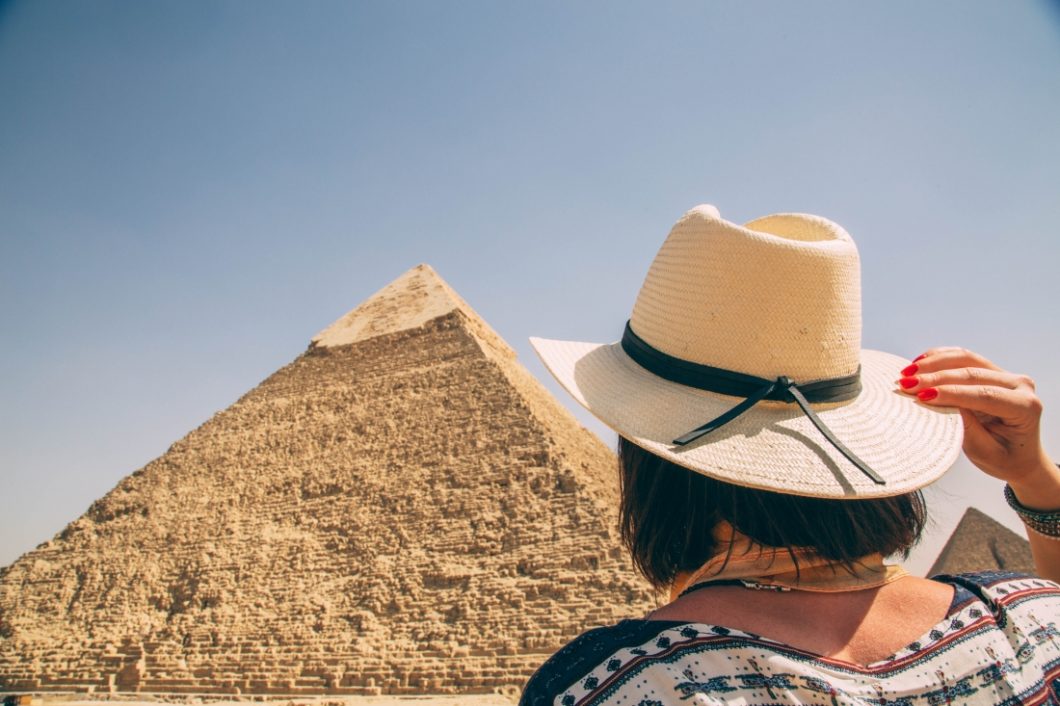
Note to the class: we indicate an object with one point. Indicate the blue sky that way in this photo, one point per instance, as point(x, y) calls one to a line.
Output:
point(189, 190)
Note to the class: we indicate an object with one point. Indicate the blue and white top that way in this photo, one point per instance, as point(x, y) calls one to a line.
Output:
point(998, 644)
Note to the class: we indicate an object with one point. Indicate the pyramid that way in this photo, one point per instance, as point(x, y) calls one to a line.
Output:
point(401, 509)
point(981, 543)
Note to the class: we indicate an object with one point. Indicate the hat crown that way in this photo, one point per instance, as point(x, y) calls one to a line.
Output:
point(780, 295)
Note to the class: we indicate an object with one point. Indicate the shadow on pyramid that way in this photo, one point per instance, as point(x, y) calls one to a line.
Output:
point(981, 543)
point(401, 509)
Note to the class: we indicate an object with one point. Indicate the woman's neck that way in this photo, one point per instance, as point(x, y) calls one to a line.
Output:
point(802, 569)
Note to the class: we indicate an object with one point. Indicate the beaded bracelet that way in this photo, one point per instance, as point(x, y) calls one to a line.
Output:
point(1045, 523)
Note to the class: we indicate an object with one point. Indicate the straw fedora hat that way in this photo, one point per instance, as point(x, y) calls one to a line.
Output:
point(742, 361)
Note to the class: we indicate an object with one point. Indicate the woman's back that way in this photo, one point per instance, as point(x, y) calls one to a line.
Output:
point(993, 639)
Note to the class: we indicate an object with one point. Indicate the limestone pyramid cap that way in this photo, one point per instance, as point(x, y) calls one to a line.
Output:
point(730, 323)
point(411, 300)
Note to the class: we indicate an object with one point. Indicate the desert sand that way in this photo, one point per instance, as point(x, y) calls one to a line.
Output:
point(459, 700)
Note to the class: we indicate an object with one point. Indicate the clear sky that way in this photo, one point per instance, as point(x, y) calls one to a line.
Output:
point(190, 190)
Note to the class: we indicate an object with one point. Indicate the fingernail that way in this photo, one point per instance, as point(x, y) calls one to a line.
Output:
point(920, 357)
point(910, 370)
point(928, 394)
point(908, 383)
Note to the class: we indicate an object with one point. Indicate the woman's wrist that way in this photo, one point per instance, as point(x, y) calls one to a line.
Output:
point(1037, 500)
point(1038, 491)
point(1046, 523)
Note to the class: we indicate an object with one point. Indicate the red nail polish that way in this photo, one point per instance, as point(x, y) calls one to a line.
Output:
point(928, 394)
point(920, 357)
point(910, 370)
point(908, 383)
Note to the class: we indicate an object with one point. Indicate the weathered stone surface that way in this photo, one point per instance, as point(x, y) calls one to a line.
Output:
point(981, 543)
point(401, 509)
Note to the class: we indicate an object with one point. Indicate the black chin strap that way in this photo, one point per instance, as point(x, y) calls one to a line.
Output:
point(753, 389)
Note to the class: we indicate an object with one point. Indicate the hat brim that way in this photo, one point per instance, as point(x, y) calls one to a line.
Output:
point(772, 446)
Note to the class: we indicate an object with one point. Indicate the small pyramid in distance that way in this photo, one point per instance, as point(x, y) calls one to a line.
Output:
point(981, 543)
point(402, 509)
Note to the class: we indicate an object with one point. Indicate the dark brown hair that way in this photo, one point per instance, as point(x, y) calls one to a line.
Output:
point(668, 513)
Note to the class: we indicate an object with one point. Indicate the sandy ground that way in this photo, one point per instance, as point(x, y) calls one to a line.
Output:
point(449, 700)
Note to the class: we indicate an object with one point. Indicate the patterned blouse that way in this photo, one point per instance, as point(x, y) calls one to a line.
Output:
point(998, 644)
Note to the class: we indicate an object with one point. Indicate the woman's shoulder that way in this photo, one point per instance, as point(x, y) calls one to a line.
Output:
point(1016, 600)
point(999, 589)
point(584, 653)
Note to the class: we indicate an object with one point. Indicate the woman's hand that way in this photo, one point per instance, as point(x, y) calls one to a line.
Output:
point(1001, 412)
point(1002, 416)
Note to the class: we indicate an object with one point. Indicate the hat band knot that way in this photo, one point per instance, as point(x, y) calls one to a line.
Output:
point(752, 388)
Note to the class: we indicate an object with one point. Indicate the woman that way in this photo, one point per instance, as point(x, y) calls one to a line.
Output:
point(767, 467)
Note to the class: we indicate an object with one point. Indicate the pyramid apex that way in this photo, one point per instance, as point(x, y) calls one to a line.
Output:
point(411, 300)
